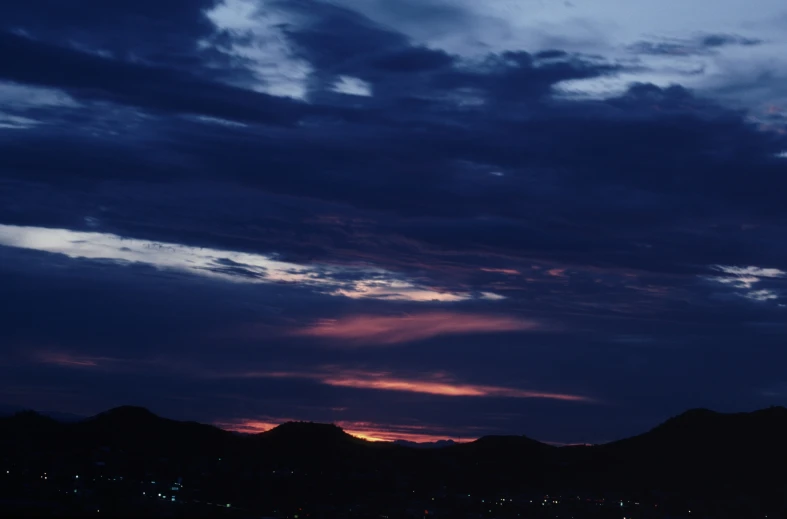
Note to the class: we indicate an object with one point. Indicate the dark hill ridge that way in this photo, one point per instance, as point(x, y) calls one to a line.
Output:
point(127, 412)
point(308, 432)
point(701, 428)
point(691, 428)
point(699, 451)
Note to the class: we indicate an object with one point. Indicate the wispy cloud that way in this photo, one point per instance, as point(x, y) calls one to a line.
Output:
point(762, 295)
point(744, 278)
point(22, 96)
point(510, 272)
point(256, 35)
point(440, 384)
point(707, 44)
point(15, 122)
point(64, 359)
point(71, 360)
point(242, 267)
point(387, 330)
point(443, 386)
point(352, 86)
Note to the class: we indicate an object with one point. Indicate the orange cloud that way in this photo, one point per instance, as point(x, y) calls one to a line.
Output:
point(438, 385)
point(432, 384)
point(387, 330)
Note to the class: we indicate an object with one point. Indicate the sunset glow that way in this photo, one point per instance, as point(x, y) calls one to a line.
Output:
point(444, 388)
point(387, 330)
point(558, 218)
point(437, 383)
point(365, 430)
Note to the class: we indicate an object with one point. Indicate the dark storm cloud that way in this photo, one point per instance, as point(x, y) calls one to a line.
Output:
point(91, 77)
point(616, 225)
point(171, 28)
point(699, 45)
point(720, 40)
point(330, 38)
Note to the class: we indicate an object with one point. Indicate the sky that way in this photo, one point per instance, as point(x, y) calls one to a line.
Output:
point(418, 219)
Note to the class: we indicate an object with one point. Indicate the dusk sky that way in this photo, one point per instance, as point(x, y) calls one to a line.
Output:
point(418, 219)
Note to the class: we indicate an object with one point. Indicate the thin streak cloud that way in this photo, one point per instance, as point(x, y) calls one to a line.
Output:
point(387, 330)
point(745, 279)
point(439, 384)
point(444, 388)
point(67, 360)
point(240, 267)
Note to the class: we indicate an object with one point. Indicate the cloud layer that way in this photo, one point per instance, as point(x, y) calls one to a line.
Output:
point(212, 207)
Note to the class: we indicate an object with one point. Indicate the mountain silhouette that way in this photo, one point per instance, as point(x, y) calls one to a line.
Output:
point(699, 453)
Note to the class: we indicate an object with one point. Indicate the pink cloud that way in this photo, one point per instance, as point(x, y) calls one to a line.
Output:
point(68, 360)
point(439, 384)
point(80, 361)
point(510, 272)
point(387, 330)
point(431, 384)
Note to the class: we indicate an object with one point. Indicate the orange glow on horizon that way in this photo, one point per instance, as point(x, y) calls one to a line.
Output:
point(364, 430)
point(388, 330)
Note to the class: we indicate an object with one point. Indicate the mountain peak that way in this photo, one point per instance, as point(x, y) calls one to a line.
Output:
point(308, 433)
point(774, 410)
point(697, 415)
point(128, 412)
point(307, 428)
point(29, 416)
point(699, 412)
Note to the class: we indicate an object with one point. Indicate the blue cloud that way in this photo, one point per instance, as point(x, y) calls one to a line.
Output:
point(431, 180)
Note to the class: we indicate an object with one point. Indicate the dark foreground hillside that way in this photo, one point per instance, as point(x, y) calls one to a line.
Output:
point(130, 462)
